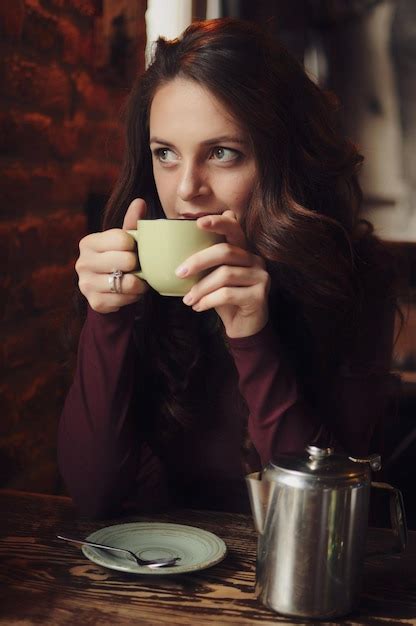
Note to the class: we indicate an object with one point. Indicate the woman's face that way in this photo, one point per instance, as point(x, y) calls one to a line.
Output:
point(202, 160)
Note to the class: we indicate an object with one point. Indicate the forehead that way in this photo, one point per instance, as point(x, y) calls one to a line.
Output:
point(182, 104)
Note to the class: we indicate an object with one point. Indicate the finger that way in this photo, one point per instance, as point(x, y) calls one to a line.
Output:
point(110, 303)
point(129, 284)
point(225, 276)
point(241, 297)
point(92, 285)
point(225, 224)
point(113, 239)
point(106, 262)
point(218, 254)
point(136, 211)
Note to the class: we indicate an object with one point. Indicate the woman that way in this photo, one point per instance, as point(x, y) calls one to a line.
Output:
point(286, 341)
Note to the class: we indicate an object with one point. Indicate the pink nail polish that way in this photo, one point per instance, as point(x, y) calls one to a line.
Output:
point(181, 270)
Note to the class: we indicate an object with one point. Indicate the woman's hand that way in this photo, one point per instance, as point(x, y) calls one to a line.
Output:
point(101, 254)
point(238, 287)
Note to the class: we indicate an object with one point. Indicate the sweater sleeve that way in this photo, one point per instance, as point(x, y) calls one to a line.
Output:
point(355, 406)
point(279, 421)
point(100, 454)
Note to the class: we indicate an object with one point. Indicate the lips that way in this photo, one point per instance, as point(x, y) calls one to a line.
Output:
point(195, 216)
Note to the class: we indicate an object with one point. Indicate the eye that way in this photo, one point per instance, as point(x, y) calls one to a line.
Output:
point(225, 155)
point(165, 155)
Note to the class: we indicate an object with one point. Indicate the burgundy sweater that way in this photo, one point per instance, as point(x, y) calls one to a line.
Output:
point(108, 465)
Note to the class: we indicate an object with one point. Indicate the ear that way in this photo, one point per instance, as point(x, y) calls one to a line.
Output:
point(136, 211)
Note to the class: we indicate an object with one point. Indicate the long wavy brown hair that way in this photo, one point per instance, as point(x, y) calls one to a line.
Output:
point(303, 218)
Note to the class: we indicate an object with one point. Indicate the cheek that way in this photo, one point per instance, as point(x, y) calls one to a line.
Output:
point(159, 181)
point(163, 193)
point(242, 191)
point(164, 185)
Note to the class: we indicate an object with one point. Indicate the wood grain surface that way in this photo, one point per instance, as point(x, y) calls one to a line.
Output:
point(45, 581)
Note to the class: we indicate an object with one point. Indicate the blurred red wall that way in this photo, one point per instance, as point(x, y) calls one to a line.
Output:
point(59, 142)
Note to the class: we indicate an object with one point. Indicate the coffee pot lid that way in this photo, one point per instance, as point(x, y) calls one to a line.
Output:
point(324, 462)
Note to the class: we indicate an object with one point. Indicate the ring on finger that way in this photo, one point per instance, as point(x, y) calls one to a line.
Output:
point(114, 280)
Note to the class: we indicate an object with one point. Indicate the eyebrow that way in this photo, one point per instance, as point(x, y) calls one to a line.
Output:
point(209, 142)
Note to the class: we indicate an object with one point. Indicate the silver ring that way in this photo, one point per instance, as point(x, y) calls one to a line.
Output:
point(114, 280)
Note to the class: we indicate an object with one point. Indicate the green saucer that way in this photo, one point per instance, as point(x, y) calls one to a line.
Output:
point(196, 548)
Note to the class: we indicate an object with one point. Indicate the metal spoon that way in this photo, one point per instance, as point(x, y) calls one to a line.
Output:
point(152, 563)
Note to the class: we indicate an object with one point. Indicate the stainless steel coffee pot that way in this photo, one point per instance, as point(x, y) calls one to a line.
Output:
point(311, 513)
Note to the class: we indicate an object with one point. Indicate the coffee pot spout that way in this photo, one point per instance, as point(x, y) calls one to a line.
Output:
point(259, 493)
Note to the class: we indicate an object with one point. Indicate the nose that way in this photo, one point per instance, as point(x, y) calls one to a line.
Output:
point(192, 182)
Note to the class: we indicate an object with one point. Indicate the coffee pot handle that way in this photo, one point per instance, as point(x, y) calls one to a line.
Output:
point(398, 520)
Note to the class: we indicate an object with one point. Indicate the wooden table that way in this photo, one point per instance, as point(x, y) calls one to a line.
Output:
point(45, 581)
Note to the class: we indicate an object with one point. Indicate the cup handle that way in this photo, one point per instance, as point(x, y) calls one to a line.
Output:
point(398, 520)
point(138, 273)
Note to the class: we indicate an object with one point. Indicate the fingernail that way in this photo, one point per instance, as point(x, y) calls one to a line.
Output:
point(188, 299)
point(206, 221)
point(181, 271)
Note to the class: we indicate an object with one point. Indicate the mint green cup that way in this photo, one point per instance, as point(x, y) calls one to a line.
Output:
point(163, 245)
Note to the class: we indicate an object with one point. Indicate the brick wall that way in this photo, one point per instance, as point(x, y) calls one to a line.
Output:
point(59, 144)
